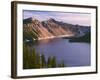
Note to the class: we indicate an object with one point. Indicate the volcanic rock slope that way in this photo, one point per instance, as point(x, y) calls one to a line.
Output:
point(51, 28)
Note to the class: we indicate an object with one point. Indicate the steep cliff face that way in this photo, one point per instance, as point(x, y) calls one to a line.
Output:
point(56, 29)
point(34, 29)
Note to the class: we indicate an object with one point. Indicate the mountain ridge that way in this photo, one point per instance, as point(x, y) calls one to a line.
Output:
point(51, 28)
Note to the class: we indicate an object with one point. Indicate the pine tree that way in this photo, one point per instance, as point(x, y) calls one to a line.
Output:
point(53, 63)
point(33, 59)
point(25, 57)
point(43, 61)
point(62, 64)
point(38, 61)
point(49, 65)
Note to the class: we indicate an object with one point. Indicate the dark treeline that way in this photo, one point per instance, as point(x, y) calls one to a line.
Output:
point(33, 60)
point(86, 38)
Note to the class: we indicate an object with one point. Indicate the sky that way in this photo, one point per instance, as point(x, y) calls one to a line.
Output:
point(68, 17)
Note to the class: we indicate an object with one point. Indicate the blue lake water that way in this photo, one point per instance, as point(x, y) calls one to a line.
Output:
point(73, 53)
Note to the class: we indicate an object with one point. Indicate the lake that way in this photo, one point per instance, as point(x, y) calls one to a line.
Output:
point(72, 53)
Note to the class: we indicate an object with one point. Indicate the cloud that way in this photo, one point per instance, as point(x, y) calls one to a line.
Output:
point(69, 17)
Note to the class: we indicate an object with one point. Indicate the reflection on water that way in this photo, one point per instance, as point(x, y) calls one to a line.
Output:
point(73, 54)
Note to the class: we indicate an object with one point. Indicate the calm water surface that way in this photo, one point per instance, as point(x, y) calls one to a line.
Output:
point(73, 53)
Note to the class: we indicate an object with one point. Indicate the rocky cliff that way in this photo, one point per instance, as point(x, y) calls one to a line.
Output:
point(35, 29)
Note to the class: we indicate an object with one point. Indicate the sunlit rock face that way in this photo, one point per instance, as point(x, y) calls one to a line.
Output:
point(51, 28)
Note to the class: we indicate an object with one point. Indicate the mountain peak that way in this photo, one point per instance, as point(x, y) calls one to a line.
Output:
point(29, 20)
point(51, 19)
point(33, 18)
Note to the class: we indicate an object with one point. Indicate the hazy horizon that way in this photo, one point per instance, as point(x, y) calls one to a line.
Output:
point(69, 17)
